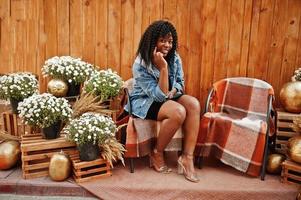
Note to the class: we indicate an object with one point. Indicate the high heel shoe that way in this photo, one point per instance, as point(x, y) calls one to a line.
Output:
point(156, 161)
point(182, 170)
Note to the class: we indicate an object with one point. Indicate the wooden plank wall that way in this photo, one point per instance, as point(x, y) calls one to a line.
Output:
point(217, 38)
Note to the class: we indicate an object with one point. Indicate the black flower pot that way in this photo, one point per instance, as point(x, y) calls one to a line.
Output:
point(53, 131)
point(88, 151)
point(14, 105)
point(73, 89)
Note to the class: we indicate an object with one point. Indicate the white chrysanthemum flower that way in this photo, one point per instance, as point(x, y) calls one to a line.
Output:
point(105, 83)
point(18, 85)
point(297, 75)
point(90, 127)
point(68, 68)
point(44, 110)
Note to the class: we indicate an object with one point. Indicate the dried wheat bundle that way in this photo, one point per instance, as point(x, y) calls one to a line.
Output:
point(297, 124)
point(6, 136)
point(88, 103)
point(112, 150)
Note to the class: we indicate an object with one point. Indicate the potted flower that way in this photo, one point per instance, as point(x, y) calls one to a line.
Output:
point(17, 86)
point(74, 71)
point(91, 131)
point(46, 112)
point(297, 75)
point(104, 83)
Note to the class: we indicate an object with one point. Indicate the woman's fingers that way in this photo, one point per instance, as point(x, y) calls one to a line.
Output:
point(158, 59)
point(155, 50)
point(158, 54)
point(170, 94)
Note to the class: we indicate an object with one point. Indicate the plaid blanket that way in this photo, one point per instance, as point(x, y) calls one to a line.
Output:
point(141, 134)
point(234, 131)
point(141, 137)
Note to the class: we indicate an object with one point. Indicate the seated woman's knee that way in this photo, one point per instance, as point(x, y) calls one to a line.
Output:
point(178, 114)
point(193, 105)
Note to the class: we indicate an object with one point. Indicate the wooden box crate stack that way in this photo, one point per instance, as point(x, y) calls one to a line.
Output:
point(89, 170)
point(291, 172)
point(115, 103)
point(4, 107)
point(113, 108)
point(13, 125)
point(36, 153)
point(284, 130)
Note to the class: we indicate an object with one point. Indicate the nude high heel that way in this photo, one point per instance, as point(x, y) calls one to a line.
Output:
point(156, 161)
point(182, 170)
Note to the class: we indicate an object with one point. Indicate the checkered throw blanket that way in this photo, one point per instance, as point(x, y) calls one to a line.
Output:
point(141, 137)
point(235, 131)
point(141, 134)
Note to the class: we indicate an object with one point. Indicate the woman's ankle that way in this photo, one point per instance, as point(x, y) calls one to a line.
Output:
point(156, 151)
point(188, 161)
point(157, 161)
point(188, 156)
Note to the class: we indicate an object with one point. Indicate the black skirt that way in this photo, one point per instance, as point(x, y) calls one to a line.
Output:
point(153, 111)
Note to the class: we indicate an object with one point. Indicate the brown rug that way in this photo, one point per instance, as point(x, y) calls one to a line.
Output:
point(218, 182)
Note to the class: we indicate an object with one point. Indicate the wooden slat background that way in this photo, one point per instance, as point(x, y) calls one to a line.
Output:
point(217, 38)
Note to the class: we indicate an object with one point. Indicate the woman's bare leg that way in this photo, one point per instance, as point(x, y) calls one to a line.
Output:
point(172, 116)
point(190, 129)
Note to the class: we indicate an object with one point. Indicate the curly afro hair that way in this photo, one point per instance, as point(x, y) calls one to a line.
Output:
point(149, 39)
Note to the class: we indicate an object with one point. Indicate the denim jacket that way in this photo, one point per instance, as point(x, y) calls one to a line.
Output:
point(146, 89)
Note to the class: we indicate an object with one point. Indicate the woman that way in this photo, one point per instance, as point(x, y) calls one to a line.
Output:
point(158, 94)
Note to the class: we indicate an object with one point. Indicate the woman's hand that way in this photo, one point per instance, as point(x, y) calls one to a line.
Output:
point(159, 60)
point(171, 93)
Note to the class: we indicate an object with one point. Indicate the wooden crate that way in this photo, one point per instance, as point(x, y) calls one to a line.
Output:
point(291, 172)
point(115, 103)
point(284, 130)
point(113, 108)
point(4, 107)
point(36, 153)
point(14, 125)
point(89, 170)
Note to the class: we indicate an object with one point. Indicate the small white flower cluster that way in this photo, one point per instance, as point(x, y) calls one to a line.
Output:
point(297, 75)
point(67, 68)
point(90, 127)
point(105, 83)
point(18, 85)
point(44, 110)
